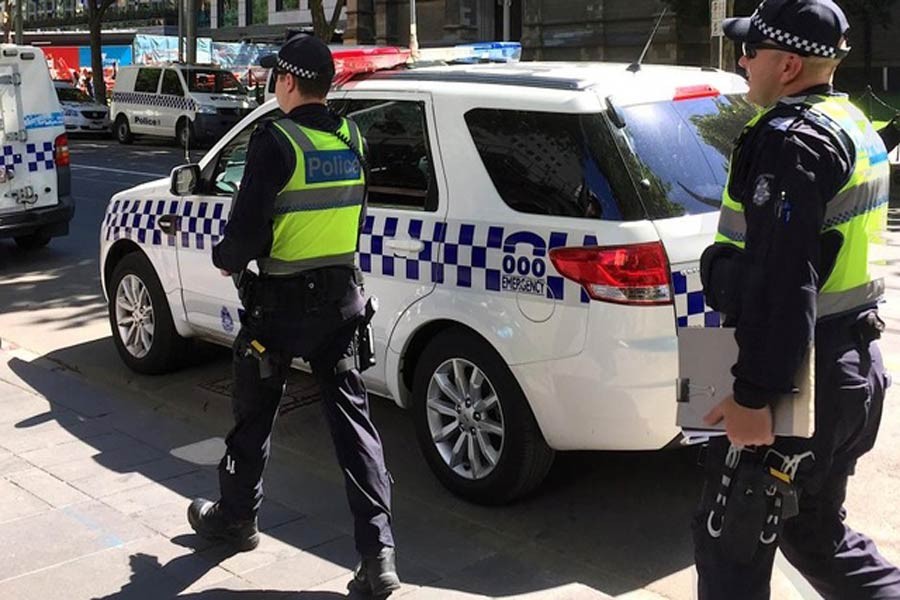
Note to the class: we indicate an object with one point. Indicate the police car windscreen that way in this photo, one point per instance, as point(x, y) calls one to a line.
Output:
point(212, 81)
point(72, 95)
point(683, 148)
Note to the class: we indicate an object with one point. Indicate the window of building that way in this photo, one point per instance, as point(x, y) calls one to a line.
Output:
point(401, 174)
point(554, 163)
point(283, 5)
point(228, 13)
point(257, 12)
point(171, 85)
point(147, 80)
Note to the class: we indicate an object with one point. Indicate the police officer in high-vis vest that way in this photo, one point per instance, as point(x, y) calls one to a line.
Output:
point(806, 198)
point(298, 213)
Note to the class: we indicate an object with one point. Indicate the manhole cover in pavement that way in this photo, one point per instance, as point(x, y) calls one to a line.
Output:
point(300, 390)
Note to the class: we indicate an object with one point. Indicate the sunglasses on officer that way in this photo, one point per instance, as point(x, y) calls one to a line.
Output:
point(276, 73)
point(750, 49)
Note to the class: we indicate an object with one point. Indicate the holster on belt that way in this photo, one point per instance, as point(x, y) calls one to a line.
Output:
point(365, 344)
point(868, 327)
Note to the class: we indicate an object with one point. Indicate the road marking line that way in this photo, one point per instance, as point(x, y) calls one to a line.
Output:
point(118, 171)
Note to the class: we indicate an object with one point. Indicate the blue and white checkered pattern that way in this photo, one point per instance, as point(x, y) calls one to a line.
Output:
point(472, 255)
point(690, 307)
point(461, 255)
point(37, 157)
point(159, 100)
point(201, 223)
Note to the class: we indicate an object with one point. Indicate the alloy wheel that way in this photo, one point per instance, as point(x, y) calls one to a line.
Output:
point(465, 418)
point(134, 316)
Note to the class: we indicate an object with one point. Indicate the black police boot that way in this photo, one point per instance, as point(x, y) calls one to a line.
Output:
point(376, 575)
point(207, 519)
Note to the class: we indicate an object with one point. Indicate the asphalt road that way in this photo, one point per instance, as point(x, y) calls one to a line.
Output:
point(620, 519)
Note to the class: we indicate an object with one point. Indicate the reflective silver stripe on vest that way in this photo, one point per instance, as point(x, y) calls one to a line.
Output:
point(319, 199)
point(274, 266)
point(732, 224)
point(834, 303)
point(296, 134)
point(854, 202)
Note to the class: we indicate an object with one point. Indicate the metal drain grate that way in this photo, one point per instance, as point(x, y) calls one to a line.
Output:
point(301, 390)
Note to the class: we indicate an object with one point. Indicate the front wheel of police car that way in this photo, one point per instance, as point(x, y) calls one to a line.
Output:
point(473, 422)
point(140, 318)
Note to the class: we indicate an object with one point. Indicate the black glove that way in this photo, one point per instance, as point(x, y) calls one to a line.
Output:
point(720, 270)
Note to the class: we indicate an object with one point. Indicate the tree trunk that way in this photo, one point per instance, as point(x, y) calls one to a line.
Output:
point(322, 26)
point(96, 26)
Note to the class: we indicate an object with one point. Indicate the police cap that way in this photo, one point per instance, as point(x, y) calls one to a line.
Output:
point(304, 56)
point(807, 27)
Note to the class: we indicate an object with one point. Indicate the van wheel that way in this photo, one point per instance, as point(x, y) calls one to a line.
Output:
point(185, 133)
point(32, 241)
point(473, 422)
point(140, 318)
point(123, 130)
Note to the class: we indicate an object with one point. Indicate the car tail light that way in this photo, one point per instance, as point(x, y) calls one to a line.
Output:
point(631, 274)
point(690, 92)
point(61, 153)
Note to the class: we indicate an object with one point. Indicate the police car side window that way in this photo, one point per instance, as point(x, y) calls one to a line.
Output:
point(553, 163)
point(147, 80)
point(226, 177)
point(171, 85)
point(398, 152)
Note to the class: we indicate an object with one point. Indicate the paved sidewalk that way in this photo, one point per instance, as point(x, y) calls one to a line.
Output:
point(93, 493)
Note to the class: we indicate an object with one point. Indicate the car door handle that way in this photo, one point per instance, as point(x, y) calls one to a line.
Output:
point(405, 246)
point(168, 224)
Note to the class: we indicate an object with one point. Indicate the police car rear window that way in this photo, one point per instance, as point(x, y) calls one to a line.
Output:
point(682, 150)
point(556, 164)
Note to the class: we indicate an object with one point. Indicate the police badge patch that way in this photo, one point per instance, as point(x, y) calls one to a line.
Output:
point(763, 190)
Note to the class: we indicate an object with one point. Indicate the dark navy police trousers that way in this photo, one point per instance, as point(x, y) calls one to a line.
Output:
point(323, 336)
point(840, 563)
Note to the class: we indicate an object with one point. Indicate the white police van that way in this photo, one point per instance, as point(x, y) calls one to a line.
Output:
point(533, 235)
point(190, 103)
point(35, 195)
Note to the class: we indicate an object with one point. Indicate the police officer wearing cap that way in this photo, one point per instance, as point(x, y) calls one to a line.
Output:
point(806, 196)
point(298, 213)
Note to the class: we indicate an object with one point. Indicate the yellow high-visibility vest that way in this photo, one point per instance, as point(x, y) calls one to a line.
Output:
point(317, 213)
point(858, 211)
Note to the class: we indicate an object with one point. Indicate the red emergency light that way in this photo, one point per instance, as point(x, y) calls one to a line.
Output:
point(353, 61)
point(691, 92)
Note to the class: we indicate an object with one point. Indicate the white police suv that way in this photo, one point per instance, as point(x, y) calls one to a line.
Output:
point(533, 235)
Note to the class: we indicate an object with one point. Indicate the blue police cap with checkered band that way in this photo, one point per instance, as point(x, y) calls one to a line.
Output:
point(807, 27)
point(305, 56)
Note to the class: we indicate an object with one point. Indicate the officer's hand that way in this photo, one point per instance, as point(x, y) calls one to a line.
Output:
point(744, 426)
point(224, 273)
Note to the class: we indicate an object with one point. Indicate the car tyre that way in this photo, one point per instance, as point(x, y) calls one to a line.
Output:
point(32, 241)
point(123, 130)
point(140, 319)
point(489, 409)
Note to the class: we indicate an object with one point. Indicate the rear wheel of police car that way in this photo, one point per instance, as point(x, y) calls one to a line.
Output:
point(123, 130)
point(473, 421)
point(141, 321)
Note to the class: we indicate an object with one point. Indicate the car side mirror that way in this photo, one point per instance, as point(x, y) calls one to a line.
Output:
point(185, 180)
